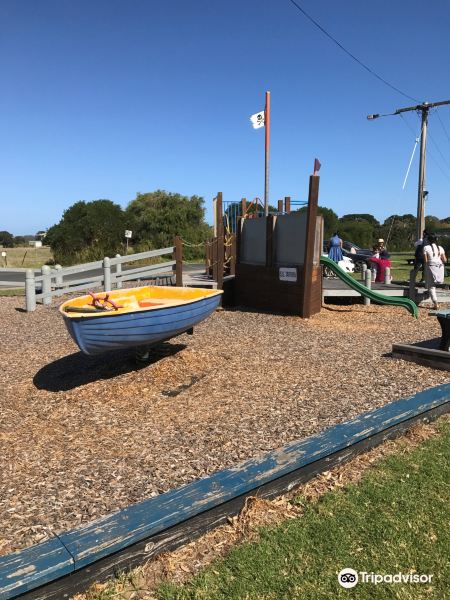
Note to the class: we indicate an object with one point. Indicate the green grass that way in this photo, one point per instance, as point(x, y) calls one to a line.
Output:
point(400, 270)
point(395, 520)
point(26, 257)
point(12, 292)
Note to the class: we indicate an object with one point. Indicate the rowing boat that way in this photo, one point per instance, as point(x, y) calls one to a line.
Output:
point(136, 317)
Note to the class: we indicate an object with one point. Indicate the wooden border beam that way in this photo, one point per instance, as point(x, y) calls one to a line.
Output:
point(125, 539)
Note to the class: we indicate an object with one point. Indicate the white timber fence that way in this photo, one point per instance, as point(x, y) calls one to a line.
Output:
point(44, 284)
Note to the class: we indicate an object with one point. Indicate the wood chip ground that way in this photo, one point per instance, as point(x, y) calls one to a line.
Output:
point(81, 437)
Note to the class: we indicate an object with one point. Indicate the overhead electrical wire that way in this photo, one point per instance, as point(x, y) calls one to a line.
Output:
point(442, 123)
point(352, 56)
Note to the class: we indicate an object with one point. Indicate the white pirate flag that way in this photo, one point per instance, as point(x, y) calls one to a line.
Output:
point(258, 120)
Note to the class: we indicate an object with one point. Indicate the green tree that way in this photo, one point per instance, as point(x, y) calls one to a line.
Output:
point(87, 231)
point(19, 240)
point(399, 232)
point(361, 218)
point(6, 239)
point(330, 220)
point(360, 233)
point(157, 217)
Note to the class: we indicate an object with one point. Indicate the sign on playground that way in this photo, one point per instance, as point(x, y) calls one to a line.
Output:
point(287, 274)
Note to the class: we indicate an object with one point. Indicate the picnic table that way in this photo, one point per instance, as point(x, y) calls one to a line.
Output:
point(443, 316)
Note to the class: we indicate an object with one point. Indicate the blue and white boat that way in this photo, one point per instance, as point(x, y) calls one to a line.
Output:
point(136, 317)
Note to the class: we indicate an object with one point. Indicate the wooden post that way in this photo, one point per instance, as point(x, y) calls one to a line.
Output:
point(220, 261)
point(243, 207)
point(240, 224)
point(233, 254)
point(287, 204)
point(30, 291)
point(307, 271)
point(387, 276)
point(107, 274)
point(280, 206)
point(270, 225)
point(178, 257)
point(412, 285)
point(46, 285)
point(368, 286)
point(267, 154)
point(118, 273)
point(220, 243)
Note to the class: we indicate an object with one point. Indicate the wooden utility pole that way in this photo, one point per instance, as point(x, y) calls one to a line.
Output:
point(424, 110)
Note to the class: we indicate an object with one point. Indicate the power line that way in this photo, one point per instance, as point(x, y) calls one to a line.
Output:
point(371, 71)
point(442, 123)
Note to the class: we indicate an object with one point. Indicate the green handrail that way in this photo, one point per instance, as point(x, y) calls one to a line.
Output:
point(364, 291)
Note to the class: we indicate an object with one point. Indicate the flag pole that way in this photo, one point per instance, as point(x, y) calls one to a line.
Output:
point(267, 153)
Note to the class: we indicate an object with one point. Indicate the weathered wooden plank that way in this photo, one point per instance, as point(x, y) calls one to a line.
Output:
point(110, 534)
point(163, 523)
point(428, 357)
point(33, 567)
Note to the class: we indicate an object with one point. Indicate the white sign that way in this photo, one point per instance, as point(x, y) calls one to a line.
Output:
point(3, 254)
point(257, 120)
point(287, 274)
point(128, 233)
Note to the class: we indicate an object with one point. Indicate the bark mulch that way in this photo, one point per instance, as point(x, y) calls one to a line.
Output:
point(81, 437)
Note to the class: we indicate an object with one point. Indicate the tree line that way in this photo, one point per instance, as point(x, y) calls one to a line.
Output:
point(90, 230)
point(398, 231)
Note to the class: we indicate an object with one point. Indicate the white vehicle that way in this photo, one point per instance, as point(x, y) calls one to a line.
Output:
point(346, 264)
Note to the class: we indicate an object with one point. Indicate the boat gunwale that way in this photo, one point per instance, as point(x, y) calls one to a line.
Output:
point(115, 313)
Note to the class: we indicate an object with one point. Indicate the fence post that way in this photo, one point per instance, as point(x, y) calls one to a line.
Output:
point(118, 274)
point(387, 275)
point(58, 278)
point(46, 285)
point(368, 283)
point(30, 291)
point(287, 205)
point(363, 271)
point(179, 261)
point(107, 274)
point(412, 285)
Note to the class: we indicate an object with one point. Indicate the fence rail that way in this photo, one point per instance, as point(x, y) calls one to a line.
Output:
point(45, 283)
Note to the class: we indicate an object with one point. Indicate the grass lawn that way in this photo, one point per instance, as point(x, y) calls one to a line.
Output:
point(400, 270)
point(395, 520)
point(26, 257)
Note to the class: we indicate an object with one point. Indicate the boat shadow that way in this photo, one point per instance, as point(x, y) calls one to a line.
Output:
point(78, 369)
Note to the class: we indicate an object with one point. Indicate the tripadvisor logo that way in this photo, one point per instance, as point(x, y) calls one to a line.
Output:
point(348, 578)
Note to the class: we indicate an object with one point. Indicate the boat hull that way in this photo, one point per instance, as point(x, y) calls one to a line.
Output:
point(102, 333)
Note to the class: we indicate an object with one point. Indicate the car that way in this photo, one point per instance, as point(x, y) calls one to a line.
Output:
point(359, 256)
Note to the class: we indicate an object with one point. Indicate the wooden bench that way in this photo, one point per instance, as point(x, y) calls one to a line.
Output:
point(443, 316)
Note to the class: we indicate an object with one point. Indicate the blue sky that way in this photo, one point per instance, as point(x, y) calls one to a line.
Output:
point(107, 98)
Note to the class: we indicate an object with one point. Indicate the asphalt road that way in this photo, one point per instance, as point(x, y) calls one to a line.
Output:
point(14, 279)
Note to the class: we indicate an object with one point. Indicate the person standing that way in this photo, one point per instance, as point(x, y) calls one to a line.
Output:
point(335, 247)
point(433, 259)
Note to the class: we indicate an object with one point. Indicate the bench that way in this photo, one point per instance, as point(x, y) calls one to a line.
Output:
point(443, 316)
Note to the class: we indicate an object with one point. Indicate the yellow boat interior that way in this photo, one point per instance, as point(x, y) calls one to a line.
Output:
point(132, 300)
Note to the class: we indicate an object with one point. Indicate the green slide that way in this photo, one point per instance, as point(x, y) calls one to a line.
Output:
point(375, 296)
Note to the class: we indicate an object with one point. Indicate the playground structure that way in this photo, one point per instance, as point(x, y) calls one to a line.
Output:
point(274, 263)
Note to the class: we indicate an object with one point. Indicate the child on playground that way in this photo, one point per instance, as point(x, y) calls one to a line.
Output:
point(381, 264)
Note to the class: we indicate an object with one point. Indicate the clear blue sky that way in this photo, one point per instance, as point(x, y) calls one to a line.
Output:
point(106, 98)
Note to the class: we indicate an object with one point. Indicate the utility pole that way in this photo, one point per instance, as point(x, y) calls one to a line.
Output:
point(423, 109)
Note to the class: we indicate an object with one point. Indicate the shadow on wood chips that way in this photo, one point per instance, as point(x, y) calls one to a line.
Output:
point(79, 369)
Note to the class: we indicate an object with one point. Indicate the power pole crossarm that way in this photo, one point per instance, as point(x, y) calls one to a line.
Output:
point(424, 109)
